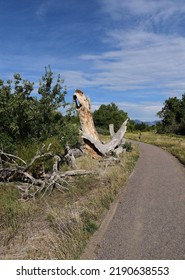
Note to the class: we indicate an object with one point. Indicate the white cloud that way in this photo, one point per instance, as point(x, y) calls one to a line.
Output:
point(143, 61)
point(145, 111)
point(77, 79)
point(146, 52)
point(162, 9)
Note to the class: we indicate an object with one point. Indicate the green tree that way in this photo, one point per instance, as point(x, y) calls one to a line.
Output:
point(109, 114)
point(16, 107)
point(24, 118)
point(131, 125)
point(182, 116)
point(171, 115)
point(142, 126)
point(52, 97)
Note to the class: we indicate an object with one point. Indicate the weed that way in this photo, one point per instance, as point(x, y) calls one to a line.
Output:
point(88, 220)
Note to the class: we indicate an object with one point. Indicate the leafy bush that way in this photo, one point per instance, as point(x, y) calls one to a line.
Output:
point(127, 146)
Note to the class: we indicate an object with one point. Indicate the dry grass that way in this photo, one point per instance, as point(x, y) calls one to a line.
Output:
point(172, 143)
point(58, 226)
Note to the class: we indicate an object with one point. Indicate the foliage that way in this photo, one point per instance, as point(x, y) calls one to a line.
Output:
point(142, 126)
point(139, 126)
point(173, 116)
point(26, 119)
point(127, 146)
point(69, 134)
point(131, 125)
point(109, 114)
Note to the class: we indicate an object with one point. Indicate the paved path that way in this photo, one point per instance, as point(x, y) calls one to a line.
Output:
point(149, 218)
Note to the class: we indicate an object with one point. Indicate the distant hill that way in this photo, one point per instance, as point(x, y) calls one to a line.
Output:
point(148, 123)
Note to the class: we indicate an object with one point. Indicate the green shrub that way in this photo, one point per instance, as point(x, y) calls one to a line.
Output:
point(127, 146)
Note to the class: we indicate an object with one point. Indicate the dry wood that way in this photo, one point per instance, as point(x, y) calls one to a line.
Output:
point(10, 157)
point(78, 172)
point(116, 141)
point(89, 133)
point(39, 156)
point(29, 185)
point(111, 130)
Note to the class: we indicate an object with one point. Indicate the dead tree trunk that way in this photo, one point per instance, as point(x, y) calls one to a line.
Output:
point(89, 133)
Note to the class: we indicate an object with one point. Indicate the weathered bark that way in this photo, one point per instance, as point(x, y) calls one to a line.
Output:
point(89, 133)
point(83, 107)
point(111, 130)
point(87, 124)
point(116, 141)
point(70, 158)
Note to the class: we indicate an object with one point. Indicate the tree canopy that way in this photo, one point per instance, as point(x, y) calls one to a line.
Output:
point(173, 116)
point(24, 117)
point(109, 114)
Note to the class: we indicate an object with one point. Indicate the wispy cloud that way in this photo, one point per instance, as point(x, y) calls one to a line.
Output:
point(44, 7)
point(146, 110)
point(143, 60)
point(141, 57)
point(129, 51)
point(156, 10)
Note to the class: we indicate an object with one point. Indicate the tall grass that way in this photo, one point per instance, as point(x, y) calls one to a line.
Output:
point(59, 226)
point(13, 214)
point(170, 142)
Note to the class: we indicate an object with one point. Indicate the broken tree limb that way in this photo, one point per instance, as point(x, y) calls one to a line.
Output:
point(78, 172)
point(70, 158)
point(111, 130)
point(89, 133)
point(116, 141)
point(36, 158)
point(10, 157)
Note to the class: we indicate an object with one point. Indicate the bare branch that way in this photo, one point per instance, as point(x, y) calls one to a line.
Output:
point(111, 130)
point(78, 172)
point(11, 156)
point(35, 158)
point(110, 146)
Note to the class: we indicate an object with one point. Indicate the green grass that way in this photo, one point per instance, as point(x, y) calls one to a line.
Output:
point(170, 142)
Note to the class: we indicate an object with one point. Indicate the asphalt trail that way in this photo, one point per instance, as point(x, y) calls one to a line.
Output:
point(148, 220)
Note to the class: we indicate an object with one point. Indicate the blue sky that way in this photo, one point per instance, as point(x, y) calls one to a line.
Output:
point(130, 52)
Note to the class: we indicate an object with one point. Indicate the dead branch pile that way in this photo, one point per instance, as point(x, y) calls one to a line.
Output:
point(15, 169)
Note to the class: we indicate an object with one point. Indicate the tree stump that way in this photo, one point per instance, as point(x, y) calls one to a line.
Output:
point(90, 136)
